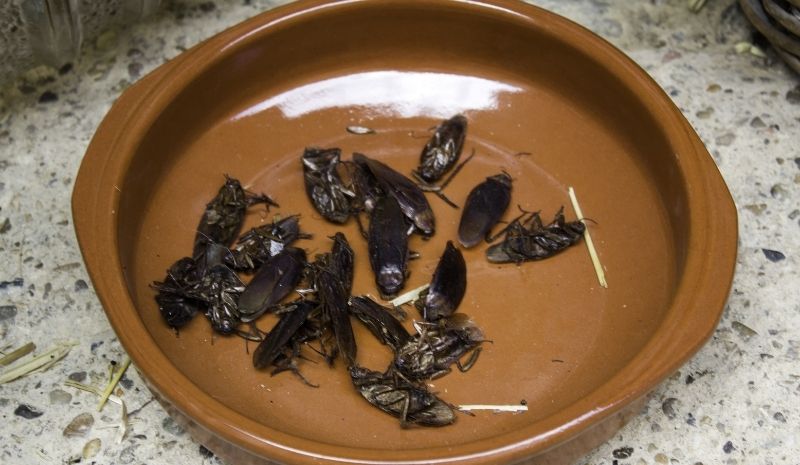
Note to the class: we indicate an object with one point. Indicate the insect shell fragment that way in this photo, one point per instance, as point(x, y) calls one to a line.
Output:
point(443, 149)
point(484, 207)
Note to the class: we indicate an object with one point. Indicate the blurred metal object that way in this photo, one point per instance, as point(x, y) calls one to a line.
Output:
point(51, 32)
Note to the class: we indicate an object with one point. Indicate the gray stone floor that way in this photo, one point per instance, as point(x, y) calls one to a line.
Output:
point(736, 402)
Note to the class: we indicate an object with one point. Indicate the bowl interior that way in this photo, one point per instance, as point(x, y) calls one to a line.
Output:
point(538, 108)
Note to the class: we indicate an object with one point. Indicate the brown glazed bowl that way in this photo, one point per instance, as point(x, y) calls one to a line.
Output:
point(247, 101)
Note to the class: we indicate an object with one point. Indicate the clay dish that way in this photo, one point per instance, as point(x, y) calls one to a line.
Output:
point(247, 101)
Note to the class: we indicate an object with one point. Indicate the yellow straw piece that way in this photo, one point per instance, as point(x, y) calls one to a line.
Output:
point(598, 268)
point(494, 408)
point(38, 363)
point(17, 354)
point(111, 385)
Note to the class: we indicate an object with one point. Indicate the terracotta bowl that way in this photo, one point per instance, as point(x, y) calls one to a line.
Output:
point(247, 101)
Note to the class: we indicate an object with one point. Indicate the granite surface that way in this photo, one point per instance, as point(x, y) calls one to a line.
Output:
point(736, 402)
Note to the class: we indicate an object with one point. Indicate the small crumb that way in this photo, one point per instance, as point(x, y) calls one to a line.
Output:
point(48, 96)
point(205, 452)
point(773, 255)
point(28, 412)
point(744, 331)
point(728, 447)
point(622, 452)
point(668, 407)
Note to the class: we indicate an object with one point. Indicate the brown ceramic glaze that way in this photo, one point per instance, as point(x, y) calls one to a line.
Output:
point(246, 103)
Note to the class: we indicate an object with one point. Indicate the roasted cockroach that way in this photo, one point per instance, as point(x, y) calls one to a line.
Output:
point(324, 186)
point(257, 245)
point(333, 278)
point(224, 215)
point(484, 207)
point(273, 281)
point(388, 246)
point(437, 346)
point(528, 239)
point(278, 338)
point(409, 196)
point(366, 189)
point(442, 150)
point(175, 305)
point(220, 289)
point(342, 262)
point(447, 287)
point(410, 403)
point(380, 322)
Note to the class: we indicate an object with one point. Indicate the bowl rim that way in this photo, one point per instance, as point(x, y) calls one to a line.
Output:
point(696, 308)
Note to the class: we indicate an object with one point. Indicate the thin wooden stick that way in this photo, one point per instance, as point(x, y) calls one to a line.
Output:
point(494, 408)
point(409, 296)
point(598, 268)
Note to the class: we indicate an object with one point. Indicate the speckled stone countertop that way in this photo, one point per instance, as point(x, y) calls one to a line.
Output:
point(736, 402)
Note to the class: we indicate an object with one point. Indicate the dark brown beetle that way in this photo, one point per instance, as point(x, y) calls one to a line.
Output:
point(447, 286)
point(409, 196)
point(220, 288)
point(175, 305)
point(410, 403)
point(324, 186)
point(278, 338)
point(528, 239)
point(257, 245)
point(438, 346)
point(366, 189)
point(485, 205)
point(333, 278)
point(342, 262)
point(388, 246)
point(216, 291)
point(379, 321)
point(443, 149)
point(224, 216)
point(276, 278)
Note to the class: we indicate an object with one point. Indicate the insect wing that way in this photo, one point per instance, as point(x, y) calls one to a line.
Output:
point(276, 278)
point(484, 207)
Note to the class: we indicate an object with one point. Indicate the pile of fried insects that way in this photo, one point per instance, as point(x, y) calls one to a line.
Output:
point(320, 318)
